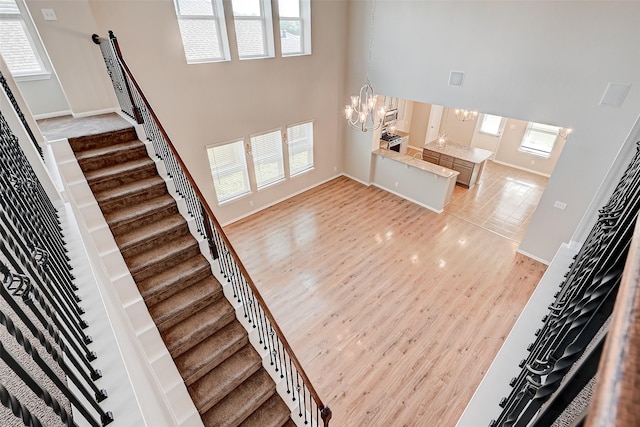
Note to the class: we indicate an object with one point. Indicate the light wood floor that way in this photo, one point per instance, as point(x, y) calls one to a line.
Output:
point(396, 312)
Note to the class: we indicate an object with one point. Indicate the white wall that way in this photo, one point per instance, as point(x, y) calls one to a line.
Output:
point(515, 66)
point(204, 104)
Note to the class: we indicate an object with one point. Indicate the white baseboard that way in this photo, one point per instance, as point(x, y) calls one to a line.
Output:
point(275, 202)
point(431, 208)
point(544, 261)
point(355, 179)
point(521, 168)
point(96, 112)
point(52, 115)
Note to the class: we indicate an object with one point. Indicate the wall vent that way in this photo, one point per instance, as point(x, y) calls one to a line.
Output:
point(615, 94)
point(456, 78)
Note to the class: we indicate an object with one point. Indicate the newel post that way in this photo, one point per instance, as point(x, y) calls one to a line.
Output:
point(325, 414)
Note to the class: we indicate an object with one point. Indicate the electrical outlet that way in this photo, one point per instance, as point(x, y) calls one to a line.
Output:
point(560, 205)
point(49, 15)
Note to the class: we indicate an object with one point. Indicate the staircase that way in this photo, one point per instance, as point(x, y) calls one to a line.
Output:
point(222, 371)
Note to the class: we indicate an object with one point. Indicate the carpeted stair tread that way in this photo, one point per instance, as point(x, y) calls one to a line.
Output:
point(206, 328)
point(140, 214)
point(162, 258)
point(272, 413)
point(89, 142)
point(153, 234)
point(121, 174)
point(164, 285)
point(217, 383)
point(101, 157)
point(289, 423)
point(131, 193)
point(181, 305)
point(241, 402)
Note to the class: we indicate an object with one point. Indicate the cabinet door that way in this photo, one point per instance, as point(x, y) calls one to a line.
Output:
point(446, 161)
point(430, 156)
point(465, 174)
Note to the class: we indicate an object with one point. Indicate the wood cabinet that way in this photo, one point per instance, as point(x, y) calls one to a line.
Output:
point(469, 171)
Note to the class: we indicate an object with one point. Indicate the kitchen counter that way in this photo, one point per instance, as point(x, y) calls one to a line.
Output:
point(470, 154)
point(417, 163)
point(421, 182)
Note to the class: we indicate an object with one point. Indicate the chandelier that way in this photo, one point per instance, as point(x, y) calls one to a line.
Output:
point(361, 113)
point(465, 115)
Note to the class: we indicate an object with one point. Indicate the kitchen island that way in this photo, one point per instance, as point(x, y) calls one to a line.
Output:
point(468, 161)
point(421, 182)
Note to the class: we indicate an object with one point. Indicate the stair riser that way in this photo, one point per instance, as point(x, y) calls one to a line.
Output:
point(163, 263)
point(164, 322)
point(112, 159)
point(247, 370)
point(102, 140)
point(234, 346)
point(157, 239)
point(160, 293)
point(106, 183)
point(124, 226)
point(147, 193)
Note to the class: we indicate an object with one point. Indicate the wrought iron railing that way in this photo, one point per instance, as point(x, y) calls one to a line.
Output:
point(134, 104)
point(23, 120)
point(570, 341)
point(37, 286)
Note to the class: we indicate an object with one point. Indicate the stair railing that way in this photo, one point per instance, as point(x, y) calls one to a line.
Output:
point(134, 104)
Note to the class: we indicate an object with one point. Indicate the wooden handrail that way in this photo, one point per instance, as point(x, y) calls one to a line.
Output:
point(616, 401)
point(324, 409)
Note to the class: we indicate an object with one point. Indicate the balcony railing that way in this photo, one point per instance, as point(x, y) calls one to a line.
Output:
point(134, 104)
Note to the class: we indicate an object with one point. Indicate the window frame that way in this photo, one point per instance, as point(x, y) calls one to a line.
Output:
point(288, 143)
point(283, 177)
point(305, 28)
point(24, 18)
point(266, 19)
point(228, 170)
point(219, 22)
point(526, 147)
point(497, 132)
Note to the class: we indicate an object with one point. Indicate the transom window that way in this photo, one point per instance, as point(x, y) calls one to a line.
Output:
point(229, 170)
point(539, 139)
point(17, 45)
point(254, 28)
point(490, 124)
point(268, 161)
point(295, 27)
point(300, 143)
point(203, 30)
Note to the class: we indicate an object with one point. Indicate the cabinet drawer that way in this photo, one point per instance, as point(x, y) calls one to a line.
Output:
point(434, 154)
point(465, 164)
point(446, 161)
point(430, 159)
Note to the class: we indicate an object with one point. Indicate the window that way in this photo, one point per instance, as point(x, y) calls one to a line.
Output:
point(490, 124)
point(295, 27)
point(203, 31)
point(300, 142)
point(539, 139)
point(268, 161)
point(17, 45)
point(254, 28)
point(229, 170)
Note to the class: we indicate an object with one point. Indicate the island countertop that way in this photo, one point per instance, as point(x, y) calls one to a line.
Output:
point(416, 163)
point(470, 154)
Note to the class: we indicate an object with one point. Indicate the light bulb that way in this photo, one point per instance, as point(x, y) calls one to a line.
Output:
point(348, 111)
point(355, 100)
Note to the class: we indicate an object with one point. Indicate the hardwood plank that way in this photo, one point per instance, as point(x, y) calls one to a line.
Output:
point(396, 312)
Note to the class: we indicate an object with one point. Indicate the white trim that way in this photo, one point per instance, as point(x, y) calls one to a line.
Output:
point(431, 208)
point(45, 75)
point(368, 184)
point(525, 253)
point(275, 202)
point(51, 115)
point(96, 112)
point(521, 168)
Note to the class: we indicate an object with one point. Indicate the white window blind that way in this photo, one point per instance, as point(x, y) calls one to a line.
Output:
point(254, 29)
point(203, 30)
point(229, 170)
point(539, 139)
point(295, 27)
point(268, 161)
point(17, 45)
point(300, 142)
point(490, 124)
